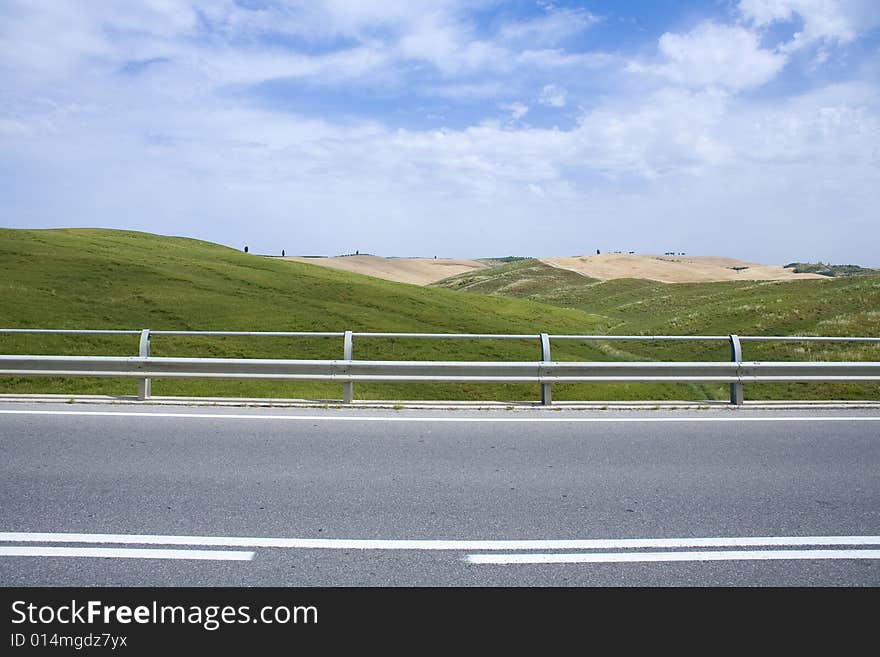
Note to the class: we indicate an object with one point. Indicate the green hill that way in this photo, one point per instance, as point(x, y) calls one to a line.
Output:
point(93, 278)
point(834, 307)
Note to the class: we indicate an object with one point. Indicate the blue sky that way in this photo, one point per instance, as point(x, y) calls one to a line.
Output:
point(745, 128)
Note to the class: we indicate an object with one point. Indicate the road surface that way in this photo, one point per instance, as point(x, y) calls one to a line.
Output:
point(123, 495)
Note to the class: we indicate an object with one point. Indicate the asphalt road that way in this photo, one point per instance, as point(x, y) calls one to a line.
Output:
point(195, 496)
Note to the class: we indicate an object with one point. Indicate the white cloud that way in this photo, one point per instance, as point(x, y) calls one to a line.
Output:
point(516, 110)
point(231, 66)
point(382, 41)
point(552, 95)
point(55, 35)
point(668, 133)
point(684, 156)
point(106, 37)
point(450, 46)
point(714, 55)
point(554, 26)
point(823, 20)
point(695, 161)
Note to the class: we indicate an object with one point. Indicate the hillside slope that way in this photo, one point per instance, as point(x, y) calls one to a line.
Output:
point(93, 278)
point(418, 271)
point(110, 278)
point(819, 307)
point(117, 279)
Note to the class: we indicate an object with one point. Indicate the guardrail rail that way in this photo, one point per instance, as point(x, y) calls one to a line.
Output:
point(348, 371)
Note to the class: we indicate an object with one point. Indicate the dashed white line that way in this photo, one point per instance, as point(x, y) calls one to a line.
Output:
point(124, 553)
point(654, 557)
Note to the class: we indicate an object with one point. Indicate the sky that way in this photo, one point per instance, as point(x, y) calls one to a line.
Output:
point(481, 128)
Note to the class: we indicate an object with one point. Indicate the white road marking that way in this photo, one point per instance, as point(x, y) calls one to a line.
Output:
point(653, 557)
point(124, 553)
point(373, 418)
point(438, 544)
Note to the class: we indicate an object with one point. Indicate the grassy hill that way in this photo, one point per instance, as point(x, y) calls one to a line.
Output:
point(833, 307)
point(92, 278)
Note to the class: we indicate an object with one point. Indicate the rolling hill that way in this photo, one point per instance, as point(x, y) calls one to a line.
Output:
point(821, 306)
point(418, 271)
point(95, 278)
point(606, 266)
point(674, 268)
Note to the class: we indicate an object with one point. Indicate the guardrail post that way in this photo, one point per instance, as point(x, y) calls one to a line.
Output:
point(144, 385)
point(347, 349)
point(736, 389)
point(546, 394)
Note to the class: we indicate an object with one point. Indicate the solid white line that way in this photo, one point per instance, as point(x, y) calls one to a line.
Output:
point(373, 418)
point(649, 557)
point(436, 544)
point(125, 553)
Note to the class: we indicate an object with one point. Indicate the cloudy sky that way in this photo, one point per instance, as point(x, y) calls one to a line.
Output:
point(746, 128)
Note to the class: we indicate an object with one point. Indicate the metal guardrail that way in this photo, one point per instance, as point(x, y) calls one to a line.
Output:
point(347, 371)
